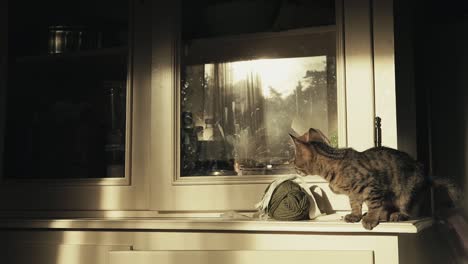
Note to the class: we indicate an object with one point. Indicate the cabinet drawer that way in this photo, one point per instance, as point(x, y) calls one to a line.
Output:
point(242, 257)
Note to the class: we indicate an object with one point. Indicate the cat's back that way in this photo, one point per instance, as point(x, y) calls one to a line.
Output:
point(334, 153)
point(387, 153)
point(392, 159)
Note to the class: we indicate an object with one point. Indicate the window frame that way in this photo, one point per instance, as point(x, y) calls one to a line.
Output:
point(242, 44)
point(355, 54)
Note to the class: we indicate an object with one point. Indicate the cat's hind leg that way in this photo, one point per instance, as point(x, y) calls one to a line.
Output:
point(409, 198)
point(384, 215)
point(388, 209)
point(402, 204)
point(398, 216)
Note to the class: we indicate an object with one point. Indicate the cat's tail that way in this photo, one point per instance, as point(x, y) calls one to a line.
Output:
point(452, 189)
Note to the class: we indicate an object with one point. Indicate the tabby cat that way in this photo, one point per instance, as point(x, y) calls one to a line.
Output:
point(387, 180)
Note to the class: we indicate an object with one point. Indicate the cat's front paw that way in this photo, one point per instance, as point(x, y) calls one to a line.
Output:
point(352, 218)
point(369, 222)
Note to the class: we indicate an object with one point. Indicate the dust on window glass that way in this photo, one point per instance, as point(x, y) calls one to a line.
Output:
point(236, 116)
point(253, 71)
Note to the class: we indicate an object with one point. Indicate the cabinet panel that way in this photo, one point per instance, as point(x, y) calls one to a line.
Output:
point(23, 253)
point(241, 257)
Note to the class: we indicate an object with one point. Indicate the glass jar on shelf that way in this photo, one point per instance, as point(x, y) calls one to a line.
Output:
point(114, 126)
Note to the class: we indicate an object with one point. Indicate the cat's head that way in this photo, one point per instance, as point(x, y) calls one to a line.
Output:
point(304, 156)
point(305, 151)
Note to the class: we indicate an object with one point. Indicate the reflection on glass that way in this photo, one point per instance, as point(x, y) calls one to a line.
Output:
point(66, 90)
point(236, 116)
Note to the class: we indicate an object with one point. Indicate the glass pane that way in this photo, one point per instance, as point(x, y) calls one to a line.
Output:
point(242, 95)
point(237, 116)
point(66, 89)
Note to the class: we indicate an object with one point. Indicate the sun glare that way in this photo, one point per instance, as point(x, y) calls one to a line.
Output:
point(282, 75)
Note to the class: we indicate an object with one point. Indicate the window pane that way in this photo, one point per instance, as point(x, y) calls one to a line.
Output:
point(252, 73)
point(237, 116)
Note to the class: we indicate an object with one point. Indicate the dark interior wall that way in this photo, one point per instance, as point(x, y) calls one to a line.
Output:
point(431, 63)
point(441, 81)
point(445, 63)
point(3, 66)
point(404, 30)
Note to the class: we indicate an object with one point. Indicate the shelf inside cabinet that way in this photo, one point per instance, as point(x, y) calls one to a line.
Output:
point(68, 56)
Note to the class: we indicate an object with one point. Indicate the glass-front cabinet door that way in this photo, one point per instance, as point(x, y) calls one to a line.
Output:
point(66, 89)
point(74, 89)
point(233, 78)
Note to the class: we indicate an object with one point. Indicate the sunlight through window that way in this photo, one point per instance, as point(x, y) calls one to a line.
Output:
point(236, 116)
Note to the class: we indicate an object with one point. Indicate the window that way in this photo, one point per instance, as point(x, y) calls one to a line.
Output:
point(237, 111)
point(244, 89)
point(219, 42)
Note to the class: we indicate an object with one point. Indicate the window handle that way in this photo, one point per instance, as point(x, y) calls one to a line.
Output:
point(377, 131)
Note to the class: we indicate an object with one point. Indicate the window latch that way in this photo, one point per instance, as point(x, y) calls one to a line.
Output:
point(377, 131)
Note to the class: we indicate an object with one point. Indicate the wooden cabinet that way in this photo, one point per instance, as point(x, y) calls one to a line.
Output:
point(23, 253)
point(140, 205)
point(177, 241)
point(145, 212)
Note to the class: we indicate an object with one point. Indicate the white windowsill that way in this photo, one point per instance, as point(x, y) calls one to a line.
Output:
point(325, 224)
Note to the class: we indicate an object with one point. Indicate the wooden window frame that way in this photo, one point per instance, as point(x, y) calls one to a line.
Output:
point(355, 55)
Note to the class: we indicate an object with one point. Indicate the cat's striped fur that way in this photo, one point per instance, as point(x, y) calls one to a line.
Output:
point(387, 180)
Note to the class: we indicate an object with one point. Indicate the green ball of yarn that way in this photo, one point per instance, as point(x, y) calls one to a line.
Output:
point(289, 202)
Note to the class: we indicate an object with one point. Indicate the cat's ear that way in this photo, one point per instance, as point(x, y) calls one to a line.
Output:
point(313, 135)
point(323, 138)
point(302, 148)
point(304, 137)
point(295, 139)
